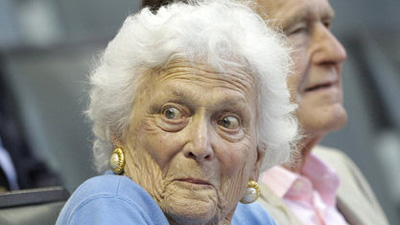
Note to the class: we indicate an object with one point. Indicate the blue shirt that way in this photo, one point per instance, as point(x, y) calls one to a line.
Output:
point(252, 214)
point(112, 199)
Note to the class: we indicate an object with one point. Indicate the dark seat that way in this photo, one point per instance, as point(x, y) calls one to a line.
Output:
point(33, 206)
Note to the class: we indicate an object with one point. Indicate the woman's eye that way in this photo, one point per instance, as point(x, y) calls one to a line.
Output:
point(172, 113)
point(229, 122)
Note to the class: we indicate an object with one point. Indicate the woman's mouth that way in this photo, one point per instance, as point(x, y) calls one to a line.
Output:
point(194, 181)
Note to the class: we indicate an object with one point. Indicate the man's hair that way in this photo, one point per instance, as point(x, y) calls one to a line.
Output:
point(223, 34)
point(154, 5)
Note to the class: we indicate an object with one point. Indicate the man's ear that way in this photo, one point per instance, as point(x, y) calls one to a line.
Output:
point(260, 158)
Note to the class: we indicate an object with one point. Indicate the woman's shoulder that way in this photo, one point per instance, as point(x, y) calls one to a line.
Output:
point(108, 199)
point(252, 214)
point(106, 183)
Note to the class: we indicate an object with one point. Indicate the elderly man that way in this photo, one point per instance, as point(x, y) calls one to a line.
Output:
point(321, 185)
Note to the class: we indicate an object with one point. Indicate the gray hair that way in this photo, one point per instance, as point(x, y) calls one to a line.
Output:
point(223, 34)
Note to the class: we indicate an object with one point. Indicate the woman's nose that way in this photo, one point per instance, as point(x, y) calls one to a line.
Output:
point(200, 147)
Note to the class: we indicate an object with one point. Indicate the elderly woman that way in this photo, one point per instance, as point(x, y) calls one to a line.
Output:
point(185, 104)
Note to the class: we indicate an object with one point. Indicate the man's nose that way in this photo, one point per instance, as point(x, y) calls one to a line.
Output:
point(200, 147)
point(326, 49)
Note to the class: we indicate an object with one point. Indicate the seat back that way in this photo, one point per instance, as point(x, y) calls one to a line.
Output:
point(32, 206)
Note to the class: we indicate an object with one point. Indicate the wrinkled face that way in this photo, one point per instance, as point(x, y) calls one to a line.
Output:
point(192, 140)
point(316, 85)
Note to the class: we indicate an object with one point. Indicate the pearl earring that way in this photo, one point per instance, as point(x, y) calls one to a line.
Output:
point(117, 161)
point(252, 193)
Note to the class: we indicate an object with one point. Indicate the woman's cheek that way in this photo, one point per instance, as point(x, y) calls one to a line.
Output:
point(234, 158)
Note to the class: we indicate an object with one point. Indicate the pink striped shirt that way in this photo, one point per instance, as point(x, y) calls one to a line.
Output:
point(311, 195)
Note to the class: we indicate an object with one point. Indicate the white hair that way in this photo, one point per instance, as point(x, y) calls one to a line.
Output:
point(224, 35)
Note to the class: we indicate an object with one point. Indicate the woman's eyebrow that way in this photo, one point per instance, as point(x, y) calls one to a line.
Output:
point(183, 97)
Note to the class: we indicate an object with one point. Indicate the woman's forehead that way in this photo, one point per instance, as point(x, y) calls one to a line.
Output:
point(203, 74)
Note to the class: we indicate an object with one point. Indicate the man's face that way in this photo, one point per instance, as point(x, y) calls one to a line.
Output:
point(316, 84)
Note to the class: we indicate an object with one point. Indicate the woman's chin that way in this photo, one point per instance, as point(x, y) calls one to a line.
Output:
point(190, 210)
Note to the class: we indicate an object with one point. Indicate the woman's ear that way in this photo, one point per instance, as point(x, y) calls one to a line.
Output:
point(116, 141)
point(260, 158)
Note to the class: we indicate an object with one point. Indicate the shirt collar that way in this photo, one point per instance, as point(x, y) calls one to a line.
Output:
point(323, 178)
point(279, 179)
